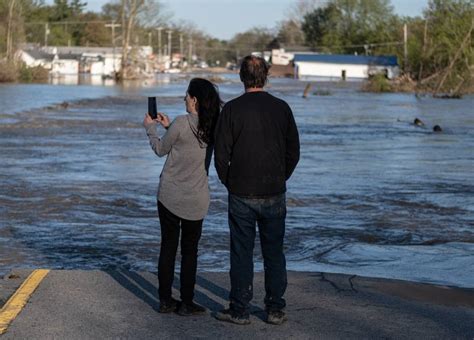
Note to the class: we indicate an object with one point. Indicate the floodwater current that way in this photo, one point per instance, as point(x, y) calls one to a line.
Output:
point(373, 194)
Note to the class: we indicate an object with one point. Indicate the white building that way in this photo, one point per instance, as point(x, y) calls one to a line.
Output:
point(106, 64)
point(103, 61)
point(280, 57)
point(337, 66)
point(35, 57)
point(65, 65)
point(96, 60)
point(266, 55)
point(57, 64)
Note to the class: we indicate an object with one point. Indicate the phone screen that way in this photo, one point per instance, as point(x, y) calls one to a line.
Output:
point(152, 111)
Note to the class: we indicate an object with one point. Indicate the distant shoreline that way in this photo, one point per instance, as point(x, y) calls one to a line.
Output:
point(374, 85)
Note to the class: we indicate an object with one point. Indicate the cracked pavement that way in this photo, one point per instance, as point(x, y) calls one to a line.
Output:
point(123, 304)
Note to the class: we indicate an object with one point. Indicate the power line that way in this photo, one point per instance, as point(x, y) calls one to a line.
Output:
point(66, 22)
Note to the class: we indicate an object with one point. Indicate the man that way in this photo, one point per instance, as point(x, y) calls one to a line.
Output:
point(256, 151)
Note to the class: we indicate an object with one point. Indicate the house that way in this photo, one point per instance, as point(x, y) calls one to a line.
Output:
point(280, 57)
point(105, 65)
point(63, 60)
point(65, 64)
point(50, 59)
point(266, 55)
point(103, 61)
point(338, 66)
point(35, 57)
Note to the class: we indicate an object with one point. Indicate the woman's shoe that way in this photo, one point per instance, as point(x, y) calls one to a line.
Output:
point(168, 306)
point(188, 309)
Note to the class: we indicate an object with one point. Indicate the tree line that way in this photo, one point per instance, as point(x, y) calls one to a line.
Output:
point(435, 50)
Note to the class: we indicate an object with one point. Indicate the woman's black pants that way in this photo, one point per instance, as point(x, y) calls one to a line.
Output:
point(171, 225)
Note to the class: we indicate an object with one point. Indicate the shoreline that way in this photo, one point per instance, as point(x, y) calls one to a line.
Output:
point(397, 86)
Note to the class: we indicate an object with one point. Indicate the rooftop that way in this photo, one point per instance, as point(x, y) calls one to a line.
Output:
point(347, 59)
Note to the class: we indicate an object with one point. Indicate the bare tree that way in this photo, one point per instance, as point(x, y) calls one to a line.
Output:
point(133, 12)
point(290, 33)
point(9, 46)
point(300, 8)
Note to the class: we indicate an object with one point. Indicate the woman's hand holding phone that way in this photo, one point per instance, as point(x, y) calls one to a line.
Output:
point(154, 116)
point(163, 119)
point(147, 120)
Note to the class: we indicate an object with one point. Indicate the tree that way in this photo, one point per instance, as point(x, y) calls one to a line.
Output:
point(290, 34)
point(35, 14)
point(11, 26)
point(298, 10)
point(131, 11)
point(319, 24)
point(348, 26)
point(256, 39)
point(10, 19)
point(62, 10)
point(93, 33)
point(447, 52)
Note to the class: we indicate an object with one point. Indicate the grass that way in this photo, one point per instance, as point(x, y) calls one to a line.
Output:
point(11, 72)
point(378, 84)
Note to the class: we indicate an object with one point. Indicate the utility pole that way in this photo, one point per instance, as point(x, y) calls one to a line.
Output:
point(69, 38)
point(46, 33)
point(169, 43)
point(159, 43)
point(190, 50)
point(405, 48)
point(181, 48)
point(112, 26)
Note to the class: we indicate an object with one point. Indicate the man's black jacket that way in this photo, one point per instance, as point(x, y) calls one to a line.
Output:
point(256, 145)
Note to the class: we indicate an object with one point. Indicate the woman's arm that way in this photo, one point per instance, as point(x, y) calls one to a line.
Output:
point(161, 145)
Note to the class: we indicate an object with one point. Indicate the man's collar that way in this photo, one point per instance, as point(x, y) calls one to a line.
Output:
point(254, 89)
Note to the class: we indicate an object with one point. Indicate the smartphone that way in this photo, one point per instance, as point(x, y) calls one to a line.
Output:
point(152, 111)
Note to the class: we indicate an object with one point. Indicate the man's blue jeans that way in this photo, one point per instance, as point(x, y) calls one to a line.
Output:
point(269, 214)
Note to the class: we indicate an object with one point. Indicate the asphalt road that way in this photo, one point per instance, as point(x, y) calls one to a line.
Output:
point(122, 304)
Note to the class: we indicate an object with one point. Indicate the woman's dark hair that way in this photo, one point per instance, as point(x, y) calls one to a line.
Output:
point(208, 107)
point(254, 71)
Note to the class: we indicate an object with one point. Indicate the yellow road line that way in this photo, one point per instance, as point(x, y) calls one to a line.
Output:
point(18, 300)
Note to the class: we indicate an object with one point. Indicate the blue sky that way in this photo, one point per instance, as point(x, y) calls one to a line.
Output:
point(224, 18)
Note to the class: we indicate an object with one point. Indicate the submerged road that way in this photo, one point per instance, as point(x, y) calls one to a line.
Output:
point(123, 304)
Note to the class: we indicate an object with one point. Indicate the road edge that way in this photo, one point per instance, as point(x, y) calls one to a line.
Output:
point(18, 300)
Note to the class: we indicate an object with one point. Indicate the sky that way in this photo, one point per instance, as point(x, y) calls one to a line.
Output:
point(224, 18)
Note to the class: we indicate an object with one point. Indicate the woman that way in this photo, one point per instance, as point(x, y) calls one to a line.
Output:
point(183, 192)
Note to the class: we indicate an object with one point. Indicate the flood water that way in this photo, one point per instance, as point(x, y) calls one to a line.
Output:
point(373, 194)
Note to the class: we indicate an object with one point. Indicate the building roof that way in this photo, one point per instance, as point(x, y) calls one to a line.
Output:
point(49, 55)
point(347, 59)
point(69, 56)
point(38, 54)
point(82, 50)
